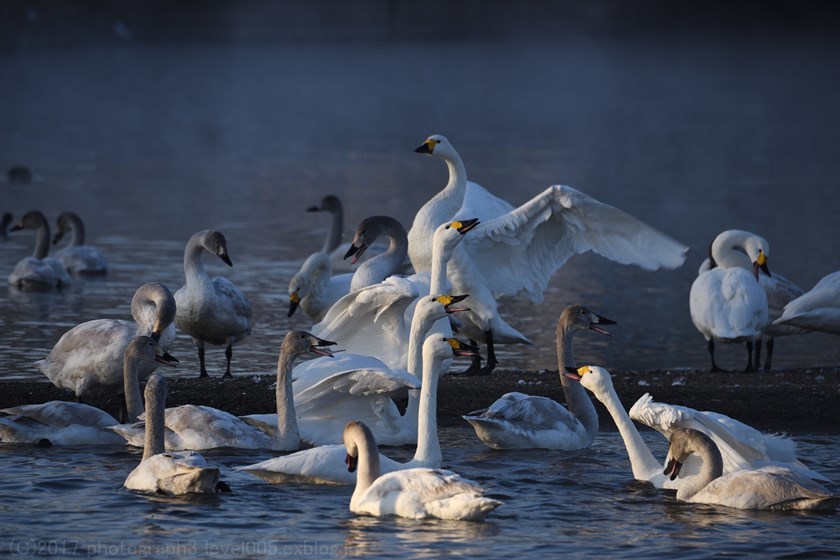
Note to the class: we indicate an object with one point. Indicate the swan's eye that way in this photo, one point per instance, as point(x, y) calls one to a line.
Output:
point(582, 312)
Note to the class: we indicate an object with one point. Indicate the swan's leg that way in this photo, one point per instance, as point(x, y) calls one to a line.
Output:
point(711, 347)
point(750, 368)
point(200, 345)
point(123, 417)
point(475, 367)
point(228, 355)
point(769, 358)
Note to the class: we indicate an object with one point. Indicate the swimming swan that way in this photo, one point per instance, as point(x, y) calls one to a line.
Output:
point(741, 446)
point(77, 257)
point(519, 421)
point(816, 310)
point(170, 474)
point(322, 465)
point(203, 427)
point(766, 488)
point(38, 272)
point(727, 302)
point(417, 493)
point(213, 311)
point(519, 249)
point(88, 359)
point(69, 423)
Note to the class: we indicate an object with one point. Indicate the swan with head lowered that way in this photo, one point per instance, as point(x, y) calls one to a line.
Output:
point(213, 311)
point(519, 421)
point(519, 249)
point(816, 310)
point(88, 359)
point(40, 271)
point(772, 488)
point(417, 493)
point(69, 423)
point(170, 474)
point(732, 252)
point(375, 320)
point(202, 427)
point(77, 257)
point(322, 465)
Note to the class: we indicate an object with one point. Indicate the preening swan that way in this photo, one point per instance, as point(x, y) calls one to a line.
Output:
point(88, 359)
point(314, 288)
point(416, 493)
point(171, 474)
point(741, 446)
point(519, 421)
point(68, 423)
point(322, 465)
point(779, 290)
point(519, 249)
point(38, 272)
point(727, 302)
point(213, 311)
point(77, 257)
point(203, 427)
point(766, 488)
point(375, 320)
point(816, 310)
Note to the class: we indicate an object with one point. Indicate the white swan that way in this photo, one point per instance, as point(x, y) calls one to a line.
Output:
point(68, 423)
point(375, 320)
point(322, 465)
point(171, 474)
point(741, 446)
point(203, 427)
point(213, 311)
point(816, 310)
point(315, 289)
point(519, 249)
point(779, 290)
point(88, 359)
point(77, 257)
point(727, 302)
point(519, 421)
point(416, 493)
point(766, 488)
point(38, 272)
point(330, 392)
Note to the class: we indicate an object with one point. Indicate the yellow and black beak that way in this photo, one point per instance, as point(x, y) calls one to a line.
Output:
point(428, 147)
point(464, 226)
point(575, 373)
point(449, 301)
point(294, 302)
point(761, 264)
point(462, 348)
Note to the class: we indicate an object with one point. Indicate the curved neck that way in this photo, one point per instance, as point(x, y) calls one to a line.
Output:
point(77, 231)
point(42, 241)
point(287, 437)
point(577, 401)
point(457, 172)
point(155, 443)
point(428, 444)
point(712, 468)
point(367, 468)
point(131, 387)
point(379, 267)
point(193, 267)
point(333, 239)
point(724, 253)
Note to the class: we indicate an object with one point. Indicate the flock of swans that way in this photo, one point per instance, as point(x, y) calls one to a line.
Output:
point(394, 317)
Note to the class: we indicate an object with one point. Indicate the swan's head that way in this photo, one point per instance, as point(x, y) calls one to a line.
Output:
point(580, 318)
point(64, 224)
point(153, 306)
point(296, 343)
point(356, 433)
point(684, 442)
point(758, 250)
point(448, 235)
point(145, 353)
point(594, 378)
point(448, 302)
point(440, 348)
point(215, 242)
point(437, 145)
point(330, 203)
point(368, 231)
point(31, 220)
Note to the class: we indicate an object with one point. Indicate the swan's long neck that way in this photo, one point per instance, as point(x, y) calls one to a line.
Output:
point(77, 232)
point(287, 437)
point(712, 468)
point(42, 241)
point(367, 469)
point(155, 443)
point(379, 267)
point(644, 464)
point(577, 401)
point(724, 253)
point(193, 267)
point(131, 387)
point(333, 239)
point(428, 444)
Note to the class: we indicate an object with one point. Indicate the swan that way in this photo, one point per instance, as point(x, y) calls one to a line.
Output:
point(78, 258)
point(5, 222)
point(417, 493)
point(766, 488)
point(330, 392)
point(213, 311)
point(816, 310)
point(322, 465)
point(171, 474)
point(741, 446)
point(779, 290)
point(519, 421)
point(314, 288)
point(38, 272)
point(519, 249)
point(88, 359)
point(375, 320)
point(69, 423)
point(727, 302)
point(203, 427)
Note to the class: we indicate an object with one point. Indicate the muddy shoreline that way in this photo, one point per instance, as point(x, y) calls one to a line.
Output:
point(801, 400)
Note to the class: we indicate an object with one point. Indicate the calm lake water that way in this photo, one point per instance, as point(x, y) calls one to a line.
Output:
point(151, 141)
